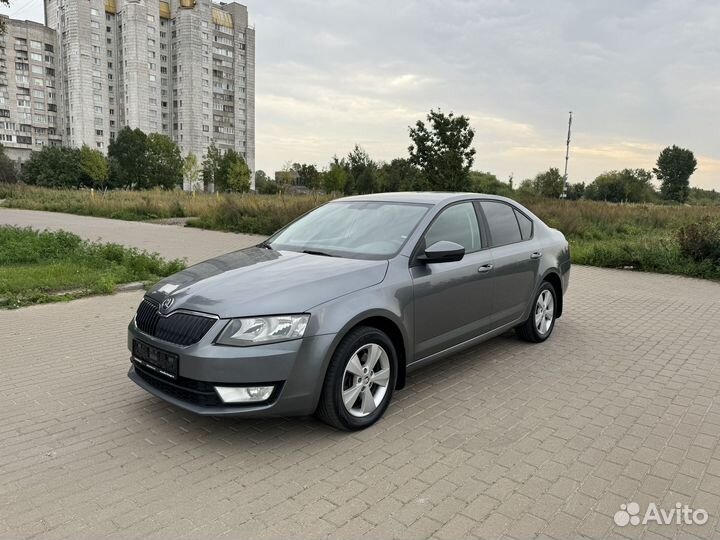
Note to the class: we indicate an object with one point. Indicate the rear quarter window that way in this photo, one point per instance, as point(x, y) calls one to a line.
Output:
point(526, 225)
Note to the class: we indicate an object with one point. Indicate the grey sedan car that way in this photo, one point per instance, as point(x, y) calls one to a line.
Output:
point(328, 315)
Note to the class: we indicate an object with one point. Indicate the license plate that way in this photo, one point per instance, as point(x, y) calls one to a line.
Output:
point(155, 359)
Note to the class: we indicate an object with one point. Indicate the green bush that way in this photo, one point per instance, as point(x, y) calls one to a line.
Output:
point(701, 240)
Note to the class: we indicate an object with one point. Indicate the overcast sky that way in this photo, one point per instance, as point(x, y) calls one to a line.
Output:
point(638, 75)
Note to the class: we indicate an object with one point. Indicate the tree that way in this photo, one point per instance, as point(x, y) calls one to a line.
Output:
point(335, 178)
point(549, 183)
point(53, 166)
point(238, 176)
point(576, 191)
point(703, 196)
point(261, 176)
point(164, 162)
point(233, 173)
point(443, 150)
point(128, 158)
point(674, 167)
point(485, 182)
point(628, 185)
point(286, 176)
point(363, 172)
point(94, 167)
point(400, 175)
point(264, 184)
point(308, 176)
point(210, 166)
point(8, 170)
point(191, 172)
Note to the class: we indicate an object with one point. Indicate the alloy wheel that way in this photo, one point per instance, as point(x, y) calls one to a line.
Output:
point(365, 380)
point(544, 312)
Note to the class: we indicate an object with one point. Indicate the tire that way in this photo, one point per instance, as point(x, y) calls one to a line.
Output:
point(349, 378)
point(536, 329)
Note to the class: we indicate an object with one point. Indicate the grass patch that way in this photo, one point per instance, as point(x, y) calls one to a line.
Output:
point(38, 267)
point(259, 214)
point(641, 236)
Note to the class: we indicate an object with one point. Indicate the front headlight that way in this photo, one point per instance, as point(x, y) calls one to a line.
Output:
point(261, 330)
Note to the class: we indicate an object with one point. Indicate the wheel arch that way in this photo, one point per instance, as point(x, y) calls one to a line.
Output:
point(390, 325)
point(553, 277)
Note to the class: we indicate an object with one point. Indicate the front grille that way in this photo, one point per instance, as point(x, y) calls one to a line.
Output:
point(188, 390)
point(179, 328)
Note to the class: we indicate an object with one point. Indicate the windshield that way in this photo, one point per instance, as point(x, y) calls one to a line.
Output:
point(366, 230)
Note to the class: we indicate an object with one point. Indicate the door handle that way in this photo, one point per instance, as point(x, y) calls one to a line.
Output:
point(485, 268)
point(536, 254)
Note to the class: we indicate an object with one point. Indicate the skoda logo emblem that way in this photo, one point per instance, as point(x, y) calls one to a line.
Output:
point(167, 304)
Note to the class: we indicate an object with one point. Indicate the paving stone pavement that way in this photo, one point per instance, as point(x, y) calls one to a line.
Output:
point(506, 439)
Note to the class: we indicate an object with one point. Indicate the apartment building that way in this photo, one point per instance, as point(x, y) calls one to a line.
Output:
point(28, 88)
point(185, 68)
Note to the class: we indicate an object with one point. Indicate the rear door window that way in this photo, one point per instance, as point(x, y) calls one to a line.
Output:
point(502, 223)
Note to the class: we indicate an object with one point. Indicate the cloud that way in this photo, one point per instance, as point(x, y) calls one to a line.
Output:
point(638, 76)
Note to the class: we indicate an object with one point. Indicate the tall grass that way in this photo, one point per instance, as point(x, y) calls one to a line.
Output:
point(640, 236)
point(261, 214)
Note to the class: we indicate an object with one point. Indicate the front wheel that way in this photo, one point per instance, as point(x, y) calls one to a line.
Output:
point(359, 381)
point(539, 325)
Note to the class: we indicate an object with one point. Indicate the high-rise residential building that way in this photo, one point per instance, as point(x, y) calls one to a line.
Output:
point(28, 88)
point(184, 68)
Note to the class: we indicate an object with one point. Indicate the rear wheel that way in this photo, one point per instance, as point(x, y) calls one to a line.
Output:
point(359, 381)
point(539, 325)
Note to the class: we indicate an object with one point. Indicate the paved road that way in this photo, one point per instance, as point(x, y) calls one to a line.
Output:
point(508, 438)
point(194, 245)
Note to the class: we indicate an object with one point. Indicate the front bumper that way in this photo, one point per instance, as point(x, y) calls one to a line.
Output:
point(296, 368)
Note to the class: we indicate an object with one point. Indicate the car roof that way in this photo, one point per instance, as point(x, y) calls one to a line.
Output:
point(423, 197)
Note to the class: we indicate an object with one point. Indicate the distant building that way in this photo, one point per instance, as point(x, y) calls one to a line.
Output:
point(28, 88)
point(185, 68)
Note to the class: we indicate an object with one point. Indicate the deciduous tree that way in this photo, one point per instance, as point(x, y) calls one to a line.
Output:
point(233, 173)
point(94, 167)
point(210, 166)
point(191, 172)
point(335, 178)
point(549, 183)
point(53, 166)
point(442, 150)
point(363, 172)
point(164, 162)
point(264, 184)
point(628, 185)
point(309, 176)
point(128, 159)
point(486, 182)
point(400, 175)
point(674, 167)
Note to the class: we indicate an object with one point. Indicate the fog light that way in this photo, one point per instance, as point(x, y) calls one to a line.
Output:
point(244, 394)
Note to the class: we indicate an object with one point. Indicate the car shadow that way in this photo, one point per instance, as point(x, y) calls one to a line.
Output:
point(224, 434)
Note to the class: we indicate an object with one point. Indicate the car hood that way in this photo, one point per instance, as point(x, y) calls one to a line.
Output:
point(258, 281)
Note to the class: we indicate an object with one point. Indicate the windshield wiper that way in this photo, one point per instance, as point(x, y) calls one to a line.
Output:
point(265, 245)
point(315, 252)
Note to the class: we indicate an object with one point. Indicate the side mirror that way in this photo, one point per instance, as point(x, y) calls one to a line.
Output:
point(442, 251)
